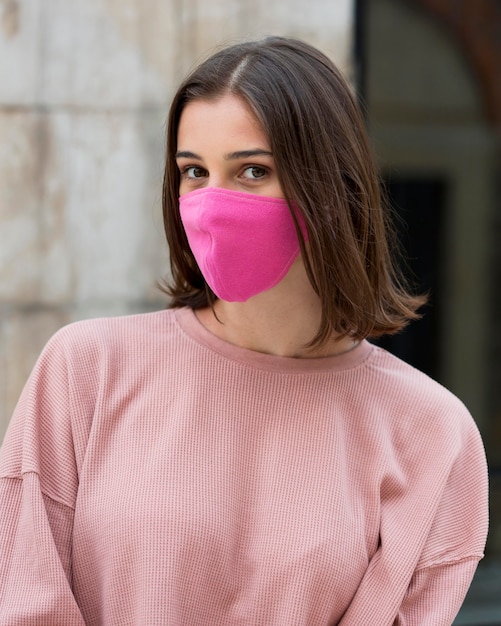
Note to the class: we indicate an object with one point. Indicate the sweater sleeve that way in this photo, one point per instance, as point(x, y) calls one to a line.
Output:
point(436, 594)
point(433, 534)
point(38, 486)
point(454, 544)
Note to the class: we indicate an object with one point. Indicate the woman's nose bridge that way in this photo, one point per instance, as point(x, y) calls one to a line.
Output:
point(221, 178)
point(219, 182)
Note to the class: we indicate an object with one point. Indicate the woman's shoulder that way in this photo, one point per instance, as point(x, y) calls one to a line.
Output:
point(415, 397)
point(105, 332)
point(92, 344)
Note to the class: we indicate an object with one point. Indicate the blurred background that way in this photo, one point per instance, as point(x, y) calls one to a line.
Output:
point(84, 90)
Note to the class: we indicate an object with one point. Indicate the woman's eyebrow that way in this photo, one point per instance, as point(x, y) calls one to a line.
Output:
point(245, 154)
point(239, 154)
point(186, 154)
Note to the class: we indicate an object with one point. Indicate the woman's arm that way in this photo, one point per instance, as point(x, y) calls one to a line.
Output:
point(435, 594)
point(433, 534)
point(38, 485)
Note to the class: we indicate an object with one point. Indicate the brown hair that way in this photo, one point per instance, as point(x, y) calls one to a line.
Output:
point(325, 165)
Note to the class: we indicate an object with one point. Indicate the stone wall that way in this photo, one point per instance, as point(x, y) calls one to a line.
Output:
point(84, 90)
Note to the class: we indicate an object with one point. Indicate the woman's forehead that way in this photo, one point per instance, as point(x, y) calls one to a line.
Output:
point(227, 120)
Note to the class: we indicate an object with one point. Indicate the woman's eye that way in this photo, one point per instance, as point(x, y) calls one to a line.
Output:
point(255, 172)
point(194, 172)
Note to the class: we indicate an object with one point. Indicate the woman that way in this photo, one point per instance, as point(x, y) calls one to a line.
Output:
point(248, 457)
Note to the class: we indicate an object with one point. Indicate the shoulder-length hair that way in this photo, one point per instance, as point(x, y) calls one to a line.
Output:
point(325, 166)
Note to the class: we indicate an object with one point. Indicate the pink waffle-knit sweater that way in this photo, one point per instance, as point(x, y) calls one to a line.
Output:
point(156, 475)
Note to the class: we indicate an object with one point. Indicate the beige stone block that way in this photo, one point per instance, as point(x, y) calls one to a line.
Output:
point(113, 226)
point(108, 53)
point(203, 27)
point(23, 333)
point(55, 260)
point(20, 46)
point(19, 200)
point(325, 24)
point(80, 207)
point(34, 257)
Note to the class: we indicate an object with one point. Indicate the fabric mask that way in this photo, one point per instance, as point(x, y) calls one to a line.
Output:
point(243, 243)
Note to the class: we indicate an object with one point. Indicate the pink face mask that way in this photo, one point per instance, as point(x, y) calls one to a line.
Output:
point(243, 243)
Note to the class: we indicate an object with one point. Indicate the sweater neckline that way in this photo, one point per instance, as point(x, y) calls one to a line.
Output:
point(189, 323)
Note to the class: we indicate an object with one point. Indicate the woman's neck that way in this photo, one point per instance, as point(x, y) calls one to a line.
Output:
point(281, 321)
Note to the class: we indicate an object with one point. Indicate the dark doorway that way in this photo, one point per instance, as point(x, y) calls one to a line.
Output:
point(419, 204)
